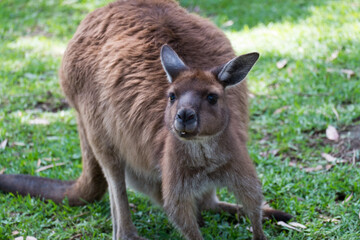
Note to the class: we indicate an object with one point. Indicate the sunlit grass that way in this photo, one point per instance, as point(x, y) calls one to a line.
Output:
point(38, 46)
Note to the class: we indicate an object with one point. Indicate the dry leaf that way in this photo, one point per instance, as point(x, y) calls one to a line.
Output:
point(274, 152)
point(251, 95)
point(328, 157)
point(332, 159)
point(328, 219)
point(348, 198)
point(354, 157)
point(281, 64)
point(228, 23)
point(39, 121)
point(51, 159)
point(334, 55)
point(50, 166)
point(3, 144)
point(280, 110)
point(31, 238)
point(328, 167)
point(76, 236)
point(79, 215)
point(264, 140)
point(331, 133)
point(21, 144)
point(336, 113)
point(295, 224)
point(313, 169)
point(2, 170)
point(330, 70)
point(265, 205)
point(281, 223)
point(292, 163)
point(349, 73)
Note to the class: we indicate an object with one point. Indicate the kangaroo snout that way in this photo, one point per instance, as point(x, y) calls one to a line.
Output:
point(185, 121)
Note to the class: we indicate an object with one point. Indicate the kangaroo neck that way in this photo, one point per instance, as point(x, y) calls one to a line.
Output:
point(208, 152)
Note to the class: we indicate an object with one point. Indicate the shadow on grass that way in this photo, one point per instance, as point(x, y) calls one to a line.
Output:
point(251, 13)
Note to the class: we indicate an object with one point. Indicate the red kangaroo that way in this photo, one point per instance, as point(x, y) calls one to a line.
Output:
point(162, 107)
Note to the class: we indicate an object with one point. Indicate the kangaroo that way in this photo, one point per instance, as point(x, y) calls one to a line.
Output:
point(162, 107)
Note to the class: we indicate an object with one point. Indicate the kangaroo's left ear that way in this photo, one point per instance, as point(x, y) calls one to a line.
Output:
point(234, 71)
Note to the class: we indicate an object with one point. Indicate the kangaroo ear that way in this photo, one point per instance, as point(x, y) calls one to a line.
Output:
point(234, 71)
point(171, 62)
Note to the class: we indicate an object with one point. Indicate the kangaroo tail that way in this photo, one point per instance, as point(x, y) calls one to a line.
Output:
point(77, 192)
point(270, 213)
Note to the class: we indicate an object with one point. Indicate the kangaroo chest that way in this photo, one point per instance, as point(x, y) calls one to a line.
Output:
point(204, 155)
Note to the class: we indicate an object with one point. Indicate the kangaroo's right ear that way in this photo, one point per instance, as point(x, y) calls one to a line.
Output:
point(234, 71)
point(171, 62)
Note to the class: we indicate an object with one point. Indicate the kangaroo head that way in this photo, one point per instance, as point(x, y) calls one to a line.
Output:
point(197, 105)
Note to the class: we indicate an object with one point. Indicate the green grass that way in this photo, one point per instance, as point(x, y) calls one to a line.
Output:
point(33, 36)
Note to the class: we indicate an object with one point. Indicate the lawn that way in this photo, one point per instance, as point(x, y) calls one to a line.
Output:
point(307, 79)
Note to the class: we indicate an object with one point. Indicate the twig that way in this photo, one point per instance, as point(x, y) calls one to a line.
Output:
point(50, 166)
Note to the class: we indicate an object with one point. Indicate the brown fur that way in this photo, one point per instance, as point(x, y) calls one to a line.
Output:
point(112, 75)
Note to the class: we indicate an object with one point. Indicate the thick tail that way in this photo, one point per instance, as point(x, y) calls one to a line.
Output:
point(35, 186)
point(270, 213)
point(77, 192)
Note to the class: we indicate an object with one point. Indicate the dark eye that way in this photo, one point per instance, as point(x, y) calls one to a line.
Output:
point(212, 98)
point(172, 97)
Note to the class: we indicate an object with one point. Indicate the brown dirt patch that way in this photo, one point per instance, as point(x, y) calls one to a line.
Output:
point(52, 104)
point(348, 146)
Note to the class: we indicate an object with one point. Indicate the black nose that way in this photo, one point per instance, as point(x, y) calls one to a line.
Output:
point(186, 116)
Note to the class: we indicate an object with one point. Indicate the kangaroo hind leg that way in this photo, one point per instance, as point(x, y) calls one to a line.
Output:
point(91, 185)
point(210, 202)
point(113, 167)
